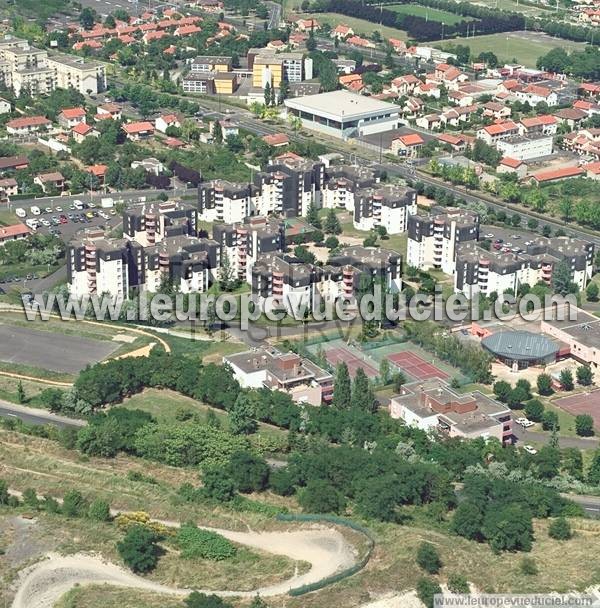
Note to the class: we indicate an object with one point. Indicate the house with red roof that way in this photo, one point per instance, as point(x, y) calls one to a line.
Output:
point(427, 89)
point(14, 232)
point(361, 42)
point(307, 25)
point(70, 117)
point(174, 143)
point(573, 117)
point(535, 93)
point(554, 175)
point(93, 45)
point(341, 32)
point(10, 163)
point(512, 165)
point(276, 140)
point(354, 82)
point(458, 143)
point(50, 181)
point(27, 124)
point(82, 130)
point(496, 110)
point(404, 85)
point(590, 89)
point(137, 131)
point(431, 122)
point(407, 145)
point(153, 36)
point(98, 171)
point(8, 187)
point(592, 170)
point(590, 107)
point(162, 123)
point(398, 45)
point(493, 133)
point(187, 30)
point(546, 124)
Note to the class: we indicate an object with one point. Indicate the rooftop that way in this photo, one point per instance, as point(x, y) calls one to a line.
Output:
point(520, 345)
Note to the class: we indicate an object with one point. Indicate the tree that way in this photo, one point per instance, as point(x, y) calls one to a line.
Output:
point(502, 390)
point(584, 425)
point(550, 421)
point(508, 528)
point(319, 496)
point(362, 393)
point(534, 410)
point(258, 602)
point(547, 462)
point(332, 224)
point(139, 549)
point(467, 520)
point(584, 375)
point(593, 475)
point(528, 567)
point(99, 510)
point(427, 589)
point(560, 529)
point(592, 292)
point(312, 216)
point(218, 484)
point(4, 496)
point(74, 505)
point(226, 275)
point(428, 558)
point(517, 397)
point(342, 391)
point(544, 384)
point(241, 416)
point(566, 379)
point(384, 370)
point(201, 600)
point(457, 583)
point(267, 94)
point(21, 397)
point(249, 472)
point(87, 18)
point(562, 278)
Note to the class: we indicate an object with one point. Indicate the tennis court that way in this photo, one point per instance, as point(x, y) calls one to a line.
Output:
point(416, 367)
point(582, 403)
point(339, 354)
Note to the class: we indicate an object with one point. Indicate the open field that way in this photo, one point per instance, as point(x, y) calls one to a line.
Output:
point(513, 5)
point(115, 597)
point(525, 47)
point(360, 26)
point(428, 13)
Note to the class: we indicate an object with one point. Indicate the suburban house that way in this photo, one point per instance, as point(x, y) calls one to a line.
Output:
point(13, 233)
point(165, 121)
point(137, 131)
point(71, 117)
point(27, 124)
point(50, 181)
point(82, 130)
point(407, 145)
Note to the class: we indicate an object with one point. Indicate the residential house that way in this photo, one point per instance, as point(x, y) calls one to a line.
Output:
point(307, 25)
point(99, 172)
point(512, 165)
point(137, 131)
point(553, 175)
point(405, 85)
point(70, 117)
point(341, 32)
point(407, 145)
point(82, 130)
point(427, 90)
point(8, 187)
point(534, 94)
point(497, 111)
point(27, 125)
point(163, 122)
point(5, 107)
point(112, 110)
point(50, 181)
point(573, 117)
point(276, 140)
point(545, 124)
point(430, 122)
point(493, 133)
point(13, 232)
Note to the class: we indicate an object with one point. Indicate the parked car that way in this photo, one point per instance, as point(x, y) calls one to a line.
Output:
point(524, 422)
point(530, 449)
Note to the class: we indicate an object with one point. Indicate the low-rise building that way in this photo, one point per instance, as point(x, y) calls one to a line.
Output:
point(433, 406)
point(27, 125)
point(13, 232)
point(268, 368)
point(526, 147)
point(70, 117)
point(136, 131)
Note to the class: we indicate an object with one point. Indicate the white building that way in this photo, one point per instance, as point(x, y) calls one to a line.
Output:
point(344, 114)
point(388, 207)
point(433, 240)
point(526, 147)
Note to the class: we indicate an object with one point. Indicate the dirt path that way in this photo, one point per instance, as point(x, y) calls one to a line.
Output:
point(41, 585)
point(326, 549)
point(36, 379)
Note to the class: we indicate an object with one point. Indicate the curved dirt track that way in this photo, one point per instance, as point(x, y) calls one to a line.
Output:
point(41, 585)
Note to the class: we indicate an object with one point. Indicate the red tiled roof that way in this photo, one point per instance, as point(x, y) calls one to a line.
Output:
point(13, 162)
point(511, 162)
point(138, 127)
point(453, 140)
point(535, 121)
point(173, 142)
point(81, 129)
point(28, 121)
point(70, 113)
point(97, 170)
point(593, 167)
point(547, 176)
point(412, 139)
point(276, 139)
point(498, 128)
point(9, 232)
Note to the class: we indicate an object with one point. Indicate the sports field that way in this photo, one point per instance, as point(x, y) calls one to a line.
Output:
point(360, 26)
point(524, 47)
point(428, 13)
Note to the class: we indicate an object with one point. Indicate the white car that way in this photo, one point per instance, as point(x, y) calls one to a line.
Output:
point(48, 210)
point(530, 449)
point(524, 422)
point(58, 209)
point(489, 235)
point(44, 222)
point(36, 210)
point(20, 212)
point(92, 205)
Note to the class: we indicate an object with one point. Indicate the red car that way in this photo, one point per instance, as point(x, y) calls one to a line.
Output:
point(63, 219)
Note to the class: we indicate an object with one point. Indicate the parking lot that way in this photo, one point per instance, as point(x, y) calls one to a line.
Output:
point(51, 350)
point(512, 239)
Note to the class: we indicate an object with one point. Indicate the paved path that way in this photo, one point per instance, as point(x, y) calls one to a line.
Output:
point(32, 415)
point(581, 443)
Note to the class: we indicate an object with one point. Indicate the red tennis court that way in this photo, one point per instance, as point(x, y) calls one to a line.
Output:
point(416, 367)
point(583, 403)
point(342, 355)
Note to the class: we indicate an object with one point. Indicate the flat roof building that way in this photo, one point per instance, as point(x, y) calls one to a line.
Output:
point(344, 114)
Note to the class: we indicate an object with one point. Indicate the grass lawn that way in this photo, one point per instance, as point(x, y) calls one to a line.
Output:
point(360, 26)
point(428, 13)
point(165, 406)
point(22, 269)
point(8, 217)
point(115, 597)
point(513, 45)
point(515, 6)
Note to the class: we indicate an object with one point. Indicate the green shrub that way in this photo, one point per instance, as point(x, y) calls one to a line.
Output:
point(428, 558)
point(457, 583)
point(560, 529)
point(139, 549)
point(99, 510)
point(196, 543)
point(528, 566)
point(74, 505)
point(427, 588)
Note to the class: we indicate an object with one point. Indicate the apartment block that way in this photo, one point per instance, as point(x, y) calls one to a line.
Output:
point(433, 239)
point(485, 272)
point(343, 182)
point(526, 147)
point(150, 224)
point(388, 207)
point(242, 243)
point(270, 67)
point(97, 265)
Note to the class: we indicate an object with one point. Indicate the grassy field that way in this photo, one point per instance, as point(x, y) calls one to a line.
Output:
point(514, 5)
point(114, 597)
point(428, 13)
point(513, 45)
point(360, 26)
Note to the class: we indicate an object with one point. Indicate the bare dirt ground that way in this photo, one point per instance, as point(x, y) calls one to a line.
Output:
point(326, 549)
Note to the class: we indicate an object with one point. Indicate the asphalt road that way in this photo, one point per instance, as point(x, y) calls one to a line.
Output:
point(35, 416)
